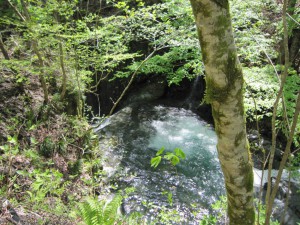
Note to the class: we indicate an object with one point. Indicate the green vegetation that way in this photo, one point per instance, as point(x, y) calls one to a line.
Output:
point(173, 158)
point(56, 53)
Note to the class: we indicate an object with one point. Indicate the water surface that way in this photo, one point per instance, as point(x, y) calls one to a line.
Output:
point(139, 132)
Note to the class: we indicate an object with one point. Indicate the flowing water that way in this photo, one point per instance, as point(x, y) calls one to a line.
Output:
point(137, 133)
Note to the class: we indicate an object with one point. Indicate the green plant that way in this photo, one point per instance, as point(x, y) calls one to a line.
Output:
point(46, 183)
point(10, 150)
point(262, 215)
point(220, 208)
point(75, 168)
point(107, 212)
point(220, 211)
point(47, 147)
point(169, 195)
point(172, 157)
point(165, 215)
point(95, 212)
point(208, 220)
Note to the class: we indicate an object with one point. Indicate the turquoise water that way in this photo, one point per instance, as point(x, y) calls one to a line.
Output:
point(194, 184)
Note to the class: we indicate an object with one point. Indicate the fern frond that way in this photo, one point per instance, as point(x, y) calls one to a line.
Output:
point(94, 212)
point(91, 211)
point(110, 213)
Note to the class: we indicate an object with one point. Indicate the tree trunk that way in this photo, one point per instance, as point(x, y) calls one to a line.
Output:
point(224, 80)
point(26, 18)
point(3, 50)
point(294, 39)
point(64, 77)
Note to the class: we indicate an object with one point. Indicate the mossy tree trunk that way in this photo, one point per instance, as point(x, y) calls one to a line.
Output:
point(224, 81)
point(3, 49)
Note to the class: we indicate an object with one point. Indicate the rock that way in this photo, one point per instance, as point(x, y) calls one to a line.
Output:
point(146, 92)
point(261, 147)
point(9, 213)
point(289, 217)
point(292, 215)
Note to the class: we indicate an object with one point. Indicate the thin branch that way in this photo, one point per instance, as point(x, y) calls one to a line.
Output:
point(131, 80)
point(16, 11)
point(277, 75)
point(34, 42)
point(62, 65)
point(286, 200)
point(264, 157)
point(41, 67)
point(3, 50)
point(293, 19)
point(99, 81)
point(270, 195)
point(286, 155)
point(27, 15)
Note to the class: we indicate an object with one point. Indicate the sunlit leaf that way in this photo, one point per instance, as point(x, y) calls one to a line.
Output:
point(175, 160)
point(160, 151)
point(155, 161)
point(179, 153)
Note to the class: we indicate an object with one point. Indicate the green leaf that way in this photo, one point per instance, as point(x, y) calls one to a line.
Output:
point(33, 141)
point(30, 194)
point(160, 151)
point(179, 153)
point(21, 172)
point(155, 161)
point(12, 140)
point(175, 160)
point(169, 155)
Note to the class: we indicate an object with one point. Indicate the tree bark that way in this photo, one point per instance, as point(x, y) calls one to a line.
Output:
point(64, 77)
point(3, 50)
point(224, 80)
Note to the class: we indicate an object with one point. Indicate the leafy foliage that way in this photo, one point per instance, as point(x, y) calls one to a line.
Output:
point(253, 31)
point(261, 87)
point(173, 158)
point(169, 28)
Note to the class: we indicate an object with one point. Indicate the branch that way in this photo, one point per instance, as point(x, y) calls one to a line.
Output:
point(293, 19)
point(27, 15)
point(270, 195)
point(3, 50)
point(16, 11)
point(99, 81)
point(41, 67)
point(64, 78)
point(286, 154)
point(131, 80)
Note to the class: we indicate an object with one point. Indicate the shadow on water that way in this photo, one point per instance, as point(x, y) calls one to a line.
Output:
point(195, 183)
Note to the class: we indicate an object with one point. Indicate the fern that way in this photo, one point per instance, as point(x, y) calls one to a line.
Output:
point(91, 211)
point(110, 212)
point(94, 212)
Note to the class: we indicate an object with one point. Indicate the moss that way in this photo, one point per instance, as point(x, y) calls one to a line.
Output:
point(203, 45)
point(223, 23)
point(233, 73)
point(199, 7)
point(217, 119)
point(240, 102)
point(238, 138)
point(222, 3)
point(214, 92)
point(248, 217)
point(248, 177)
